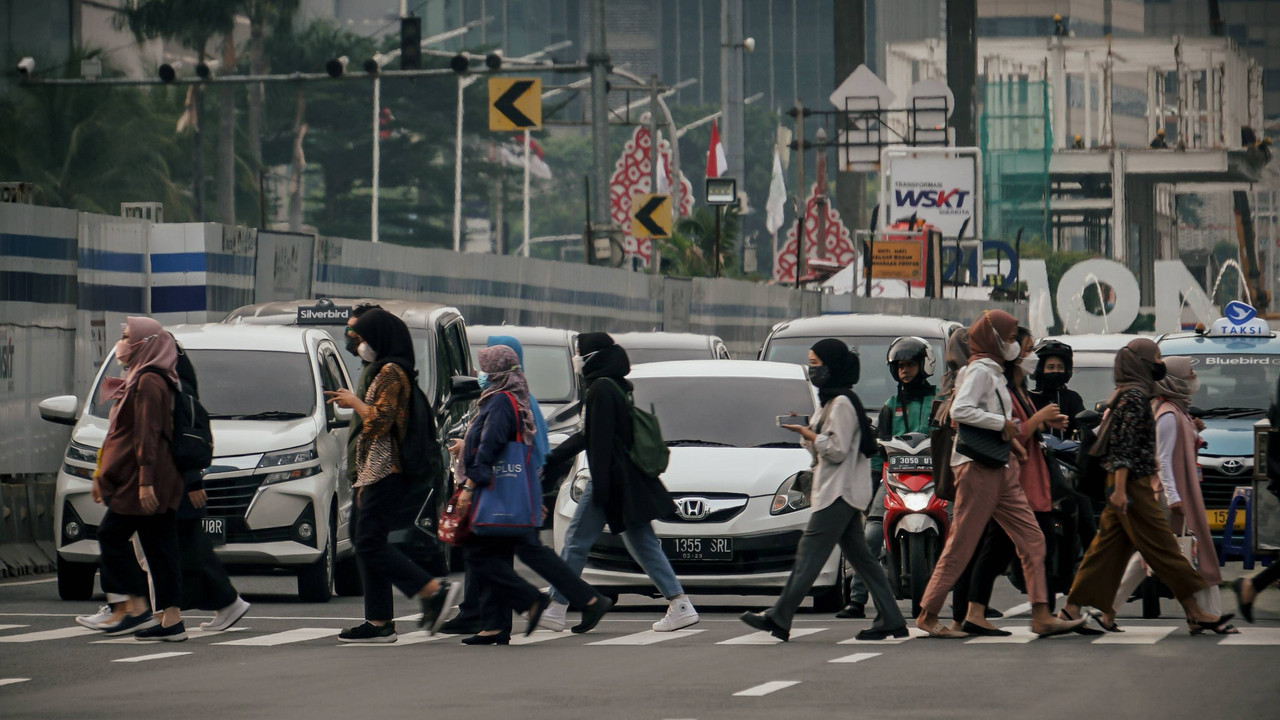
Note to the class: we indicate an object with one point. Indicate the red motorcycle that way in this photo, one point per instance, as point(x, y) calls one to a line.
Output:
point(915, 519)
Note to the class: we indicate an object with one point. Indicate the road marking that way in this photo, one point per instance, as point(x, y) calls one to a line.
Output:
point(1135, 635)
point(157, 656)
point(1254, 636)
point(648, 637)
point(1025, 608)
point(764, 638)
point(13, 681)
point(537, 637)
point(196, 634)
point(43, 635)
point(11, 627)
point(856, 657)
point(766, 688)
point(284, 638)
point(27, 582)
point(408, 638)
point(915, 633)
point(1020, 635)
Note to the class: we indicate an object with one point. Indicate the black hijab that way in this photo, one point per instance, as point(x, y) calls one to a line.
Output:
point(607, 358)
point(389, 337)
point(844, 368)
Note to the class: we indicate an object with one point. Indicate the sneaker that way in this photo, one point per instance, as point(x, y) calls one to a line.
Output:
point(592, 614)
point(176, 632)
point(553, 617)
point(227, 616)
point(131, 624)
point(369, 633)
point(99, 620)
point(680, 614)
point(434, 607)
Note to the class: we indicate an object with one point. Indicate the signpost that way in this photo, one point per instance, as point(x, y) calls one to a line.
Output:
point(720, 191)
point(515, 104)
point(940, 186)
point(897, 260)
point(651, 216)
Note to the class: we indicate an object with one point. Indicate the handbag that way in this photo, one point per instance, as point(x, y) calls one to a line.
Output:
point(454, 527)
point(941, 441)
point(511, 504)
point(983, 446)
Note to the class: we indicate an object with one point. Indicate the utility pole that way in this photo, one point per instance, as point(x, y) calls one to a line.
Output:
point(598, 60)
point(962, 68)
point(731, 94)
point(802, 205)
point(849, 23)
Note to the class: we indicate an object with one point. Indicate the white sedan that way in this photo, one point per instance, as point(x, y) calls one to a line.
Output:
point(731, 474)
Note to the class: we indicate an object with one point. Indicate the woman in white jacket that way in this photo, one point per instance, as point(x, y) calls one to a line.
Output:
point(840, 439)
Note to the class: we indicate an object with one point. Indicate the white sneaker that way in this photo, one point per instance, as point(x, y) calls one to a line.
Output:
point(680, 614)
point(227, 616)
point(98, 621)
point(553, 617)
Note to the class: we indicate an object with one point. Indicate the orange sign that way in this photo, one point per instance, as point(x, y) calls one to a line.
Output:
point(897, 260)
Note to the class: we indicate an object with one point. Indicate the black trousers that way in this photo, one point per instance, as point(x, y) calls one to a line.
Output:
point(382, 565)
point(500, 589)
point(987, 565)
point(120, 570)
point(540, 559)
point(1263, 580)
point(205, 585)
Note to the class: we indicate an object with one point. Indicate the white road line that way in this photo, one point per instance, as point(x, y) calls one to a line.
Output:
point(1020, 635)
point(766, 688)
point(157, 656)
point(538, 636)
point(284, 638)
point(915, 633)
point(1025, 608)
point(43, 635)
point(11, 627)
point(1254, 636)
point(764, 638)
point(856, 657)
point(27, 582)
point(13, 681)
point(648, 637)
point(407, 638)
point(196, 634)
point(1136, 635)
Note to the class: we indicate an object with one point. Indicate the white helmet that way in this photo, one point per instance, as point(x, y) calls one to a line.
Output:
point(911, 348)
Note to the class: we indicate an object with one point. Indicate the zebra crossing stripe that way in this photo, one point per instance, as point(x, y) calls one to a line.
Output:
point(43, 635)
point(195, 634)
point(1021, 635)
point(1254, 636)
point(856, 657)
point(764, 638)
point(284, 638)
point(13, 681)
point(766, 688)
point(648, 637)
point(11, 627)
point(414, 637)
point(156, 656)
point(538, 636)
point(1136, 635)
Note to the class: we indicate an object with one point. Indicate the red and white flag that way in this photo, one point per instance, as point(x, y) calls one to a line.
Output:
point(716, 162)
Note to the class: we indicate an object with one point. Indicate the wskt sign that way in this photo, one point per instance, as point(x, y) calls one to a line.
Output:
point(937, 185)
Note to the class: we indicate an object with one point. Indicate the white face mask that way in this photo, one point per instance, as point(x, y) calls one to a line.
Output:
point(1193, 386)
point(1008, 350)
point(366, 353)
point(579, 361)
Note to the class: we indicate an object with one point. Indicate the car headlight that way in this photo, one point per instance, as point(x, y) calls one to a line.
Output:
point(787, 499)
point(82, 453)
point(579, 484)
point(292, 456)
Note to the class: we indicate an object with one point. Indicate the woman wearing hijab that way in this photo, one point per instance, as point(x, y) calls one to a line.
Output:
point(841, 441)
point(619, 493)
point(139, 483)
point(1247, 589)
point(380, 485)
point(1133, 518)
point(983, 493)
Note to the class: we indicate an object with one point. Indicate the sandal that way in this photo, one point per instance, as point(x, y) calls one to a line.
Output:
point(943, 632)
point(1221, 626)
point(1112, 628)
point(1081, 629)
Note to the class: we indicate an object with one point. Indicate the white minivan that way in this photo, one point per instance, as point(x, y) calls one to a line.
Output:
point(275, 500)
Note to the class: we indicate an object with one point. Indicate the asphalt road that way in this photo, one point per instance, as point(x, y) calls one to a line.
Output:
point(283, 661)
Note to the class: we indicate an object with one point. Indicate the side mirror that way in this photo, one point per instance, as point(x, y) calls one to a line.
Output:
point(61, 409)
point(463, 388)
point(340, 417)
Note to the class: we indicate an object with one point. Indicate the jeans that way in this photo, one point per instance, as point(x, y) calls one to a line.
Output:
point(382, 565)
point(587, 524)
point(120, 570)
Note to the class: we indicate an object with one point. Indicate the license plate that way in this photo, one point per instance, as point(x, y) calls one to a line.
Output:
point(216, 529)
point(1218, 519)
point(910, 463)
point(698, 548)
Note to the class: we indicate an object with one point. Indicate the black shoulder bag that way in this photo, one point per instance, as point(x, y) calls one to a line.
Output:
point(985, 447)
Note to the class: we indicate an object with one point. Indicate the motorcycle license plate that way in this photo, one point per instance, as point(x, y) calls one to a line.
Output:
point(910, 463)
point(698, 548)
point(216, 529)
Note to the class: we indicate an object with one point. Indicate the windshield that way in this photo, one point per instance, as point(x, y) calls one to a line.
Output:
point(548, 368)
point(639, 356)
point(1234, 380)
point(731, 411)
point(876, 386)
point(236, 383)
point(422, 339)
point(1095, 384)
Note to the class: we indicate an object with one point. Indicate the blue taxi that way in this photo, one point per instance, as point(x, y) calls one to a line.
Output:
point(1237, 359)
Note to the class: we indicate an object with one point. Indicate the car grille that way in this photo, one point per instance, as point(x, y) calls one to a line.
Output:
point(720, 507)
point(1218, 487)
point(751, 555)
point(229, 497)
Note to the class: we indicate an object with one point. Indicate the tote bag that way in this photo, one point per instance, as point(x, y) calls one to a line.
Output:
point(511, 504)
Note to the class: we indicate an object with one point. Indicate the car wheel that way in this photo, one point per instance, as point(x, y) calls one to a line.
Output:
point(834, 598)
point(75, 580)
point(315, 582)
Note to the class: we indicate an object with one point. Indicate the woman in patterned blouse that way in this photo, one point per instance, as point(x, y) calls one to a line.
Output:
point(380, 486)
point(1133, 519)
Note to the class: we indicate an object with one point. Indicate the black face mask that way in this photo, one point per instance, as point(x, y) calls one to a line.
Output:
point(353, 345)
point(1053, 380)
point(819, 375)
point(1158, 371)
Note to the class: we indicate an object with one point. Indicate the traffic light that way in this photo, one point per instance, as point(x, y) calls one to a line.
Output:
point(410, 43)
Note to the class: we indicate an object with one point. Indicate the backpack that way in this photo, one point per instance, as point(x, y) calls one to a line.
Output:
point(192, 441)
point(421, 457)
point(649, 452)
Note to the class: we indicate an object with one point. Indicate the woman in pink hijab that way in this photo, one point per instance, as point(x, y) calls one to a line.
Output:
point(138, 482)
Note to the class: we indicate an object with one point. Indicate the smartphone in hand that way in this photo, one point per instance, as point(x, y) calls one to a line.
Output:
point(792, 420)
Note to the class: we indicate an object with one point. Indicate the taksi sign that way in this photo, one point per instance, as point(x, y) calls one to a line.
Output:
point(1241, 320)
point(936, 185)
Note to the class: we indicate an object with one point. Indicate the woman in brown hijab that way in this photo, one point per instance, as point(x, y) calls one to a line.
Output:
point(1133, 518)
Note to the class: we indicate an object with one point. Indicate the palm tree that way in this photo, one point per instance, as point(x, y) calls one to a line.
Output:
point(694, 242)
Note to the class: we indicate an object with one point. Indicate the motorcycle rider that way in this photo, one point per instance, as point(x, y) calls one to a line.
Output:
point(911, 363)
point(1053, 372)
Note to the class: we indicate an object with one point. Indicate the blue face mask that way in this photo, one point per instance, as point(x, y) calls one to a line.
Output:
point(483, 380)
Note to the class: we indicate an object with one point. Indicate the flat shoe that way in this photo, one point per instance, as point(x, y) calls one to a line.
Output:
point(976, 629)
point(764, 623)
point(535, 613)
point(943, 632)
point(1082, 629)
point(871, 634)
point(1063, 629)
point(1218, 626)
point(1246, 609)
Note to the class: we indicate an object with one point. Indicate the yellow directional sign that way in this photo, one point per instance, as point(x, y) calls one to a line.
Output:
point(650, 216)
point(515, 104)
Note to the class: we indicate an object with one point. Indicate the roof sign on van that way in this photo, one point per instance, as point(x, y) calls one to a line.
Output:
point(1241, 320)
point(324, 313)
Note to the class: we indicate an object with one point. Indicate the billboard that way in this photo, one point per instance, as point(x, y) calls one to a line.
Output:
point(937, 185)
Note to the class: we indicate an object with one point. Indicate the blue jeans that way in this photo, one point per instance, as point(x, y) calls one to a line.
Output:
point(587, 524)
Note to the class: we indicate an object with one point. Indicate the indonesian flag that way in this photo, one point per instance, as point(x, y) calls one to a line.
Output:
point(664, 186)
point(716, 162)
point(511, 154)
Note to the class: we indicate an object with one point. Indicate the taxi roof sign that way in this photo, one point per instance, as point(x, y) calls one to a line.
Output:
point(324, 312)
point(1241, 320)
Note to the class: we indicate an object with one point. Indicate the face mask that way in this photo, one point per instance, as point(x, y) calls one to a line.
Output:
point(1053, 380)
point(483, 380)
point(366, 353)
point(818, 375)
point(125, 349)
point(581, 360)
point(1010, 351)
point(353, 346)
point(1158, 371)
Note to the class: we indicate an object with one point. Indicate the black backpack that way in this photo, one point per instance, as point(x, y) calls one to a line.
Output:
point(421, 458)
point(192, 442)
